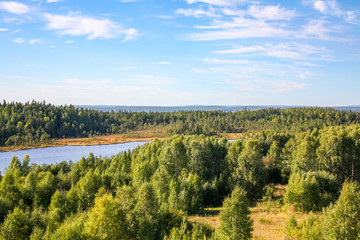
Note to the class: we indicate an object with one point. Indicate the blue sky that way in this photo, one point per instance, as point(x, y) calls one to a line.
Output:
point(181, 52)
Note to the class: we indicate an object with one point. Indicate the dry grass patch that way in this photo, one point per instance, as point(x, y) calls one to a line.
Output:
point(136, 136)
point(209, 216)
point(268, 224)
point(232, 135)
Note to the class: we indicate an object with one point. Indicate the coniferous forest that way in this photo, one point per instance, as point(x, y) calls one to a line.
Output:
point(151, 192)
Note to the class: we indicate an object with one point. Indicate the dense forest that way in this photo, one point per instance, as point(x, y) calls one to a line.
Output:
point(149, 193)
point(37, 122)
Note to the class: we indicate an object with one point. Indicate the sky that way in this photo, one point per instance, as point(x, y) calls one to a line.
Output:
point(181, 52)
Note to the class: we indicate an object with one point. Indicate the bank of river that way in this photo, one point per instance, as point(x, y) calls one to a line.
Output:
point(52, 155)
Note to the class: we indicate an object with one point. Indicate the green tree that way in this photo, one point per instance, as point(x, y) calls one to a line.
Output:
point(342, 220)
point(304, 155)
point(107, 220)
point(339, 152)
point(311, 191)
point(236, 223)
point(16, 225)
point(71, 229)
point(250, 172)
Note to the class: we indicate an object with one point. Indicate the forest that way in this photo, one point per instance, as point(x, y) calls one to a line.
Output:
point(152, 191)
point(38, 122)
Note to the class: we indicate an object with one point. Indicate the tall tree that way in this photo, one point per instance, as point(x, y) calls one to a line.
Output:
point(236, 223)
point(342, 220)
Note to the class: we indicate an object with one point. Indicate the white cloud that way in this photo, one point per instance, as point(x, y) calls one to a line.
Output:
point(353, 17)
point(306, 75)
point(69, 41)
point(248, 49)
point(197, 12)
point(14, 7)
point(291, 50)
point(33, 41)
point(3, 29)
point(219, 2)
point(131, 33)
point(321, 6)
point(330, 7)
point(316, 29)
point(53, 1)
point(270, 12)
point(18, 40)
point(233, 12)
point(285, 54)
point(255, 11)
point(86, 26)
point(239, 28)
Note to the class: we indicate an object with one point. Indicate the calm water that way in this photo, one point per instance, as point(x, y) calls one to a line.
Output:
point(52, 155)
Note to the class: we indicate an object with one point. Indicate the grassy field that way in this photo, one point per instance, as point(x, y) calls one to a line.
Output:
point(136, 136)
point(268, 223)
point(269, 218)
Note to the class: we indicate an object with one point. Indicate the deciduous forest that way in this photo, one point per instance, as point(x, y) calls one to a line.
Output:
point(154, 191)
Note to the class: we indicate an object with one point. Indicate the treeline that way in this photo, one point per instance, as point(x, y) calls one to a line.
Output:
point(147, 193)
point(38, 122)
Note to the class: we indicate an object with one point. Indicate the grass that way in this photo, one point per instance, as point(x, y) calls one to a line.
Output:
point(208, 216)
point(267, 224)
point(136, 136)
point(269, 218)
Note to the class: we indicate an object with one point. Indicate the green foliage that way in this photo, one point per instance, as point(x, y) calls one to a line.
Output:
point(339, 152)
point(311, 191)
point(333, 149)
point(290, 226)
point(235, 217)
point(312, 228)
point(106, 220)
point(188, 231)
point(37, 234)
point(342, 220)
point(147, 193)
point(304, 155)
point(16, 225)
point(250, 172)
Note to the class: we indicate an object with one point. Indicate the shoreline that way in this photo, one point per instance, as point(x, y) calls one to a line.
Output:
point(89, 141)
point(19, 148)
point(142, 136)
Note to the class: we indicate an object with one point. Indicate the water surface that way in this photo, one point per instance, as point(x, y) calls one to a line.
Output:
point(53, 155)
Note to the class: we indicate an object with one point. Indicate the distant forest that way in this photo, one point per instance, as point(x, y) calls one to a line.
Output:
point(38, 122)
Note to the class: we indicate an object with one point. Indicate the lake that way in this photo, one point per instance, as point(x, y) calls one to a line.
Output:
point(53, 155)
